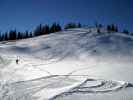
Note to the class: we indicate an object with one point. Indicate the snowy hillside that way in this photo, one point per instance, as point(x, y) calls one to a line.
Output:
point(76, 64)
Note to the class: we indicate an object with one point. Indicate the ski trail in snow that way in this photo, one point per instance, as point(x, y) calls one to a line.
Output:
point(32, 87)
point(94, 86)
point(19, 90)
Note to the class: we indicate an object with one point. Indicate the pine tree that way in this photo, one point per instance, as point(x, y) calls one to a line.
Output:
point(116, 29)
point(31, 34)
point(70, 26)
point(100, 25)
point(5, 36)
point(0, 36)
point(52, 28)
point(79, 25)
point(125, 31)
point(38, 30)
point(55, 28)
point(113, 27)
point(12, 35)
point(109, 28)
point(19, 35)
point(26, 34)
point(45, 29)
point(58, 27)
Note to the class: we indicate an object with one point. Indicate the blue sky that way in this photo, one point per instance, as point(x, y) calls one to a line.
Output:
point(26, 14)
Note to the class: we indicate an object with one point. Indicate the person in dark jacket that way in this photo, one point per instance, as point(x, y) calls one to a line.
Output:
point(17, 61)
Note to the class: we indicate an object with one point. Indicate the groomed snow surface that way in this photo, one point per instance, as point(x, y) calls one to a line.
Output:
point(76, 64)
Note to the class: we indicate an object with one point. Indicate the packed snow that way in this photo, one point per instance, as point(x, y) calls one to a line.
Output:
point(75, 64)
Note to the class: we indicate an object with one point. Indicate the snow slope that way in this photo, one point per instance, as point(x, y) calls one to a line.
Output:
point(73, 64)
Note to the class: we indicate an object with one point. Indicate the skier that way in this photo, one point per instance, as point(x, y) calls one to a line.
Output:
point(17, 60)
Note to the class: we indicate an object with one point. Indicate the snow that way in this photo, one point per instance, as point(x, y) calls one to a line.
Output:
point(73, 64)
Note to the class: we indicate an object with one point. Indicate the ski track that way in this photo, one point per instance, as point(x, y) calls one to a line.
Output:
point(93, 86)
point(104, 86)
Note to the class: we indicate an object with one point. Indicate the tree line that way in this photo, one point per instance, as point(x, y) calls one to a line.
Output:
point(39, 30)
point(55, 27)
point(112, 28)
